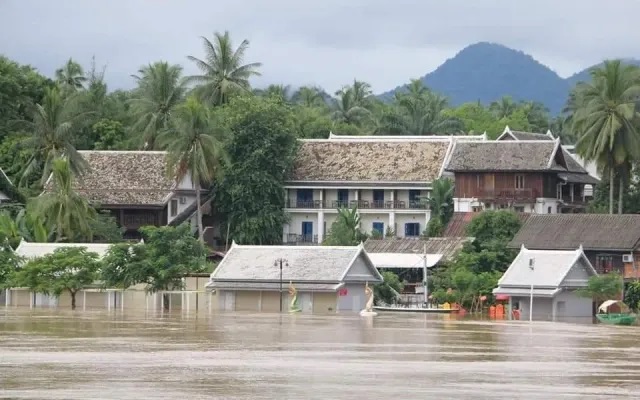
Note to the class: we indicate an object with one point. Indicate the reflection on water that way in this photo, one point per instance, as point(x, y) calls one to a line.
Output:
point(65, 355)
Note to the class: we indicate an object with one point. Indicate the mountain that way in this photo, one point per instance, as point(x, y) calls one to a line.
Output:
point(487, 71)
point(584, 76)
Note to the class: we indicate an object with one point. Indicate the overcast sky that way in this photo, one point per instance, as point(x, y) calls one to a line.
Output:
point(328, 42)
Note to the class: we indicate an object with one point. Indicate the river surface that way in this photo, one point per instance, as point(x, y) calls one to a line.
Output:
point(49, 354)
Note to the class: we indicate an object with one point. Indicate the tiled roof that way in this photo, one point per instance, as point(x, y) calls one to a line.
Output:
point(521, 135)
point(503, 156)
point(33, 250)
point(568, 231)
point(275, 286)
point(549, 269)
point(384, 160)
point(457, 225)
point(305, 263)
point(447, 246)
point(125, 178)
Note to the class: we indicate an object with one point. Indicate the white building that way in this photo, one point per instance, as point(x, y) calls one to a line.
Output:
point(387, 178)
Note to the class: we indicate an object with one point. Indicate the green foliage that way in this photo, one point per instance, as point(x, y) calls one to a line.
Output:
point(66, 269)
point(345, 229)
point(494, 225)
point(166, 256)
point(103, 228)
point(9, 263)
point(603, 287)
point(632, 295)
point(250, 194)
point(387, 291)
point(109, 134)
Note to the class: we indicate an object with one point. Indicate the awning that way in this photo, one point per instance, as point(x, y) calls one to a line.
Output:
point(522, 292)
point(403, 260)
point(579, 178)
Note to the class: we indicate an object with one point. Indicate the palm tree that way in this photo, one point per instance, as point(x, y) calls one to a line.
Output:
point(308, 97)
point(160, 89)
point(23, 226)
point(352, 105)
point(71, 76)
point(196, 148)
point(222, 70)
point(64, 211)
point(282, 92)
point(605, 118)
point(54, 126)
point(441, 199)
point(504, 107)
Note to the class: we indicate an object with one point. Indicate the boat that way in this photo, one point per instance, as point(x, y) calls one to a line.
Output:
point(623, 317)
point(401, 308)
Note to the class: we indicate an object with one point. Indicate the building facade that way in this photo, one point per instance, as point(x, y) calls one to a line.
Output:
point(388, 179)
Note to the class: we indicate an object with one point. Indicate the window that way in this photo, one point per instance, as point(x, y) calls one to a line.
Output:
point(379, 227)
point(307, 231)
point(412, 229)
point(305, 198)
point(378, 198)
point(548, 210)
point(604, 263)
point(173, 208)
point(476, 209)
point(478, 180)
point(414, 195)
point(519, 209)
point(343, 197)
point(519, 181)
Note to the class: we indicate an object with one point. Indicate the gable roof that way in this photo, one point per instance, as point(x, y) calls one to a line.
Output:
point(509, 134)
point(506, 156)
point(568, 231)
point(448, 247)
point(125, 178)
point(311, 264)
point(34, 250)
point(386, 160)
point(549, 268)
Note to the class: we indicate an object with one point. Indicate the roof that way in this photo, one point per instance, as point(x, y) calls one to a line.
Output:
point(274, 286)
point(568, 231)
point(428, 138)
point(457, 225)
point(543, 268)
point(579, 178)
point(506, 156)
point(34, 250)
point(448, 247)
point(311, 264)
point(404, 260)
point(509, 134)
point(369, 161)
point(125, 178)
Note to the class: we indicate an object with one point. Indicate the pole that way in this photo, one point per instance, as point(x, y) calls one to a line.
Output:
point(531, 304)
point(425, 283)
point(281, 285)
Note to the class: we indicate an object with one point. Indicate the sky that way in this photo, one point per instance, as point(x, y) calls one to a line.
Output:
point(307, 42)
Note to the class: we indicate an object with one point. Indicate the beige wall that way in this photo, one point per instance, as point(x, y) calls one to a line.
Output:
point(324, 303)
point(271, 301)
point(247, 301)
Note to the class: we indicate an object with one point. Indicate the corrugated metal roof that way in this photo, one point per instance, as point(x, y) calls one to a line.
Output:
point(447, 246)
point(33, 250)
point(458, 223)
point(568, 231)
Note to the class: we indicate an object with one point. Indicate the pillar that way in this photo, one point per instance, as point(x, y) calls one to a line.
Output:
point(571, 189)
point(553, 309)
point(392, 222)
point(320, 226)
point(510, 309)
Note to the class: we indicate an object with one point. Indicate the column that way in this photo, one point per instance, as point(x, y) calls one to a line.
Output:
point(320, 226)
point(510, 309)
point(392, 222)
point(427, 217)
point(553, 310)
point(571, 189)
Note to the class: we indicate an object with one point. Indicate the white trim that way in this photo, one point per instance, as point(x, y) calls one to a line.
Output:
point(553, 154)
point(370, 265)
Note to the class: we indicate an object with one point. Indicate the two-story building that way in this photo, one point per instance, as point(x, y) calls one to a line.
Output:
point(387, 178)
point(610, 242)
point(135, 187)
point(534, 176)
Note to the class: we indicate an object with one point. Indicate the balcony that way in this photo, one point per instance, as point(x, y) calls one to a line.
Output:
point(295, 239)
point(509, 195)
point(360, 204)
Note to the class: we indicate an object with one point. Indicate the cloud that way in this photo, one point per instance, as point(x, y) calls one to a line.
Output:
point(327, 42)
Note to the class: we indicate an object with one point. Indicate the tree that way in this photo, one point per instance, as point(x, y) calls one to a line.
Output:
point(440, 203)
point(67, 269)
point(309, 97)
point(222, 70)
point(345, 230)
point(352, 103)
point(23, 226)
point(160, 90)
point(494, 225)
point(166, 256)
point(71, 76)
point(9, 263)
point(64, 211)
point(504, 107)
point(387, 291)
point(604, 119)
point(603, 287)
point(632, 295)
point(250, 195)
point(195, 148)
point(53, 127)
point(108, 134)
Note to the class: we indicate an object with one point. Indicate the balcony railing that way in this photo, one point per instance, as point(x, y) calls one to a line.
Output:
point(294, 239)
point(361, 204)
point(509, 194)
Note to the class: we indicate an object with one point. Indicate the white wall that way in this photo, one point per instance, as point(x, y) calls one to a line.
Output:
point(402, 219)
point(367, 220)
point(190, 199)
point(543, 204)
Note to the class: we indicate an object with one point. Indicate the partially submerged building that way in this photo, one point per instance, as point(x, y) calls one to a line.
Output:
point(327, 278)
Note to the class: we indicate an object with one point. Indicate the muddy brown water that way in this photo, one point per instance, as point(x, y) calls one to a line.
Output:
point(49, 354)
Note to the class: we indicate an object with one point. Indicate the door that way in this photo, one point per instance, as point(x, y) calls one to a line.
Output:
point(304, 198)
point(378, 198)
point(307, 231)
point(343, 198)
point(379, 227)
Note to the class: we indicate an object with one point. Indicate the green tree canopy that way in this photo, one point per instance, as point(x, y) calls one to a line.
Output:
point(603, 287)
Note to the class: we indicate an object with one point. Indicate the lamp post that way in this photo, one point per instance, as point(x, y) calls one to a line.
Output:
point(280, 261)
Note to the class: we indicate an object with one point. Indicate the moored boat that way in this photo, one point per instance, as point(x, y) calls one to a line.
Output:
point(622, 317)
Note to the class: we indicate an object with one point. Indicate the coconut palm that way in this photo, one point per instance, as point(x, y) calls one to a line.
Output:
point(65, 212)
point(605, 121)
point(195, 146)
point(54, 127)
point(504, 107)
point(71, 76)
point(160, 89)
point(223, 72)
point(282, 92)
point(309, 97)
point(352, 103)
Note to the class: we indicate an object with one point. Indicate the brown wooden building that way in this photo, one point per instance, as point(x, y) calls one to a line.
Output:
point(533, 176)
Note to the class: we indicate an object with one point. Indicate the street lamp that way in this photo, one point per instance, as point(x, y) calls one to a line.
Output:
point(286, 264)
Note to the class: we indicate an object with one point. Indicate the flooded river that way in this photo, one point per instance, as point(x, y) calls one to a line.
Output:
point(64, 355)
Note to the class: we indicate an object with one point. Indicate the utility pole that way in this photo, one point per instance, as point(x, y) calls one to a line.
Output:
point(281, 261)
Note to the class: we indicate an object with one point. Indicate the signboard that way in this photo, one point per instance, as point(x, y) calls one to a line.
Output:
point(342, 292)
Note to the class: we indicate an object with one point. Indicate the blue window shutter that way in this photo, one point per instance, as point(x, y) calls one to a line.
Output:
point(406, 229)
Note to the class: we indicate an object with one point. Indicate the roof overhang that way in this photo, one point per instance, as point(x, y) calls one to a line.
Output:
point(270, 286)
point(524, 292)
point(358, 184)
point(403, 260)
